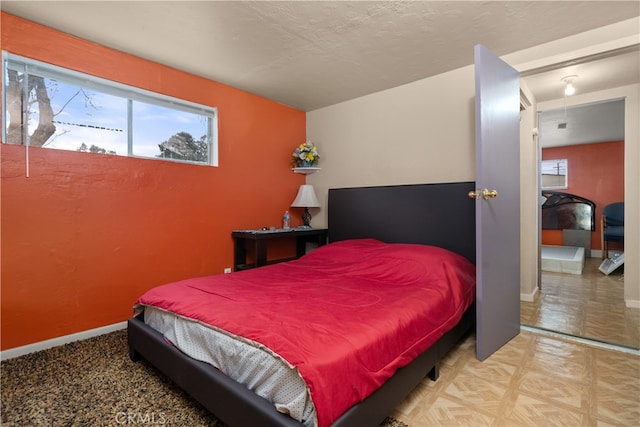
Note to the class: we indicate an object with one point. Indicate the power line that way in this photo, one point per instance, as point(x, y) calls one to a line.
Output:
point(88, 126)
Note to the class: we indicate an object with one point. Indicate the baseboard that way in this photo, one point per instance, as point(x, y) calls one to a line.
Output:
point(54, 342)
point(531, 297)
point(596, 253)
point(632, 303)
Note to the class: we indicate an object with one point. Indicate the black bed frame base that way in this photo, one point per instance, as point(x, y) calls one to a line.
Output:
point(235, 405)
point(430, 214)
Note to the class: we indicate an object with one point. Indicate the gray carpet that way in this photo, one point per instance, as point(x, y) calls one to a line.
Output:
point(94, 383)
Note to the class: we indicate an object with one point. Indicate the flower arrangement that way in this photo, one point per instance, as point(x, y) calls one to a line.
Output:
point(306, 155)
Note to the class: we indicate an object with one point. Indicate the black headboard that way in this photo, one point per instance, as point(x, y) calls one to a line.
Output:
point(431, 214)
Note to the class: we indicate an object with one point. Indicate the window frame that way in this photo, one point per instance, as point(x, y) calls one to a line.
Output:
point(110, 87)
point(562, 165)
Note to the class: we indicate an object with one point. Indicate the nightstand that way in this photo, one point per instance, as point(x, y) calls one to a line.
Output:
point(259, 239)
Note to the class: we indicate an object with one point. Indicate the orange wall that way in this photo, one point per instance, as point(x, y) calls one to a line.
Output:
point(85, 234)
point(596, 172)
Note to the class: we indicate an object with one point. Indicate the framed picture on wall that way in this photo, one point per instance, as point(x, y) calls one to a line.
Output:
point(554, 174)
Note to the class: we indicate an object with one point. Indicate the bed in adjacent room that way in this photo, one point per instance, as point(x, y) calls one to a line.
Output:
point(575, 217)
point(337, 337)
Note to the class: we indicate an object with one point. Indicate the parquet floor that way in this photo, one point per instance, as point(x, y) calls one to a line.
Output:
point(534, 380)
point(590, 305)
point(540, 380)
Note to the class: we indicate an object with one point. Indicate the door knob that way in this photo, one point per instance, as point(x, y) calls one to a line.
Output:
point(489, 194)
point(485, 194)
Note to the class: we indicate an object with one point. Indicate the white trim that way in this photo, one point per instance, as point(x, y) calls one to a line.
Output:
point(596, 49)
point(54, 342)
point(530, 297)
point(632, 303)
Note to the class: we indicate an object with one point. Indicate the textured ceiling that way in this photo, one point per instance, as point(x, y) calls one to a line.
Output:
point(311, 54)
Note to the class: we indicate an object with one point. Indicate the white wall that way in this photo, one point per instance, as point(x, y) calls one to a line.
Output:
point(421, 132)
point(529, 200)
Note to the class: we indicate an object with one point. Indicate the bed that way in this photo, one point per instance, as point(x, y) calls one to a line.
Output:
point(564, 211)
point(575, 216)
point(361, 221)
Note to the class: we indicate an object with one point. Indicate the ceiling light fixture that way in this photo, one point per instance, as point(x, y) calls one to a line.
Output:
point(569, 89)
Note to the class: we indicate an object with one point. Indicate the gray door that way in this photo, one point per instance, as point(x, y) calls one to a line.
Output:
point(498, 202)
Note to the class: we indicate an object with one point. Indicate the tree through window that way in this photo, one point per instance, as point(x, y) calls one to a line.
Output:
point(46, 106)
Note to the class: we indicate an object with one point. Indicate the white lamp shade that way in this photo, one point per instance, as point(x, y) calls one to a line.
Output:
point(306, 198)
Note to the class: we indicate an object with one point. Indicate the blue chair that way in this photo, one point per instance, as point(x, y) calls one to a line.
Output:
point(612, 226)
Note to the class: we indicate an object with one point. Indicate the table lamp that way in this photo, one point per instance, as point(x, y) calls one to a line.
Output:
point(306, 199)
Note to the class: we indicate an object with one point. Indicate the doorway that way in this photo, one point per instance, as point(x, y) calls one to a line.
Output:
point(576, 298)
point(581, 305)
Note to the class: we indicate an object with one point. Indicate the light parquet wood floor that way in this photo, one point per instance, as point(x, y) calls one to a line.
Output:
point(534, 380)
point(590, 305)
point(539, 380)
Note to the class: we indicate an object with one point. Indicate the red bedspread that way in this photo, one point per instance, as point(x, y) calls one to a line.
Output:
point(347, 315)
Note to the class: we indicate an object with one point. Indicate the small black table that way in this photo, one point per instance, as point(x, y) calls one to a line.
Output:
point(260, 238)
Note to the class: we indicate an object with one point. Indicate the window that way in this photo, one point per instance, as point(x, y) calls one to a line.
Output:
point(554, 174)
point(51, 107)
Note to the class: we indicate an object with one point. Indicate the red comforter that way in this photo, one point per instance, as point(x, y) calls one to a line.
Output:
point(347, 315)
